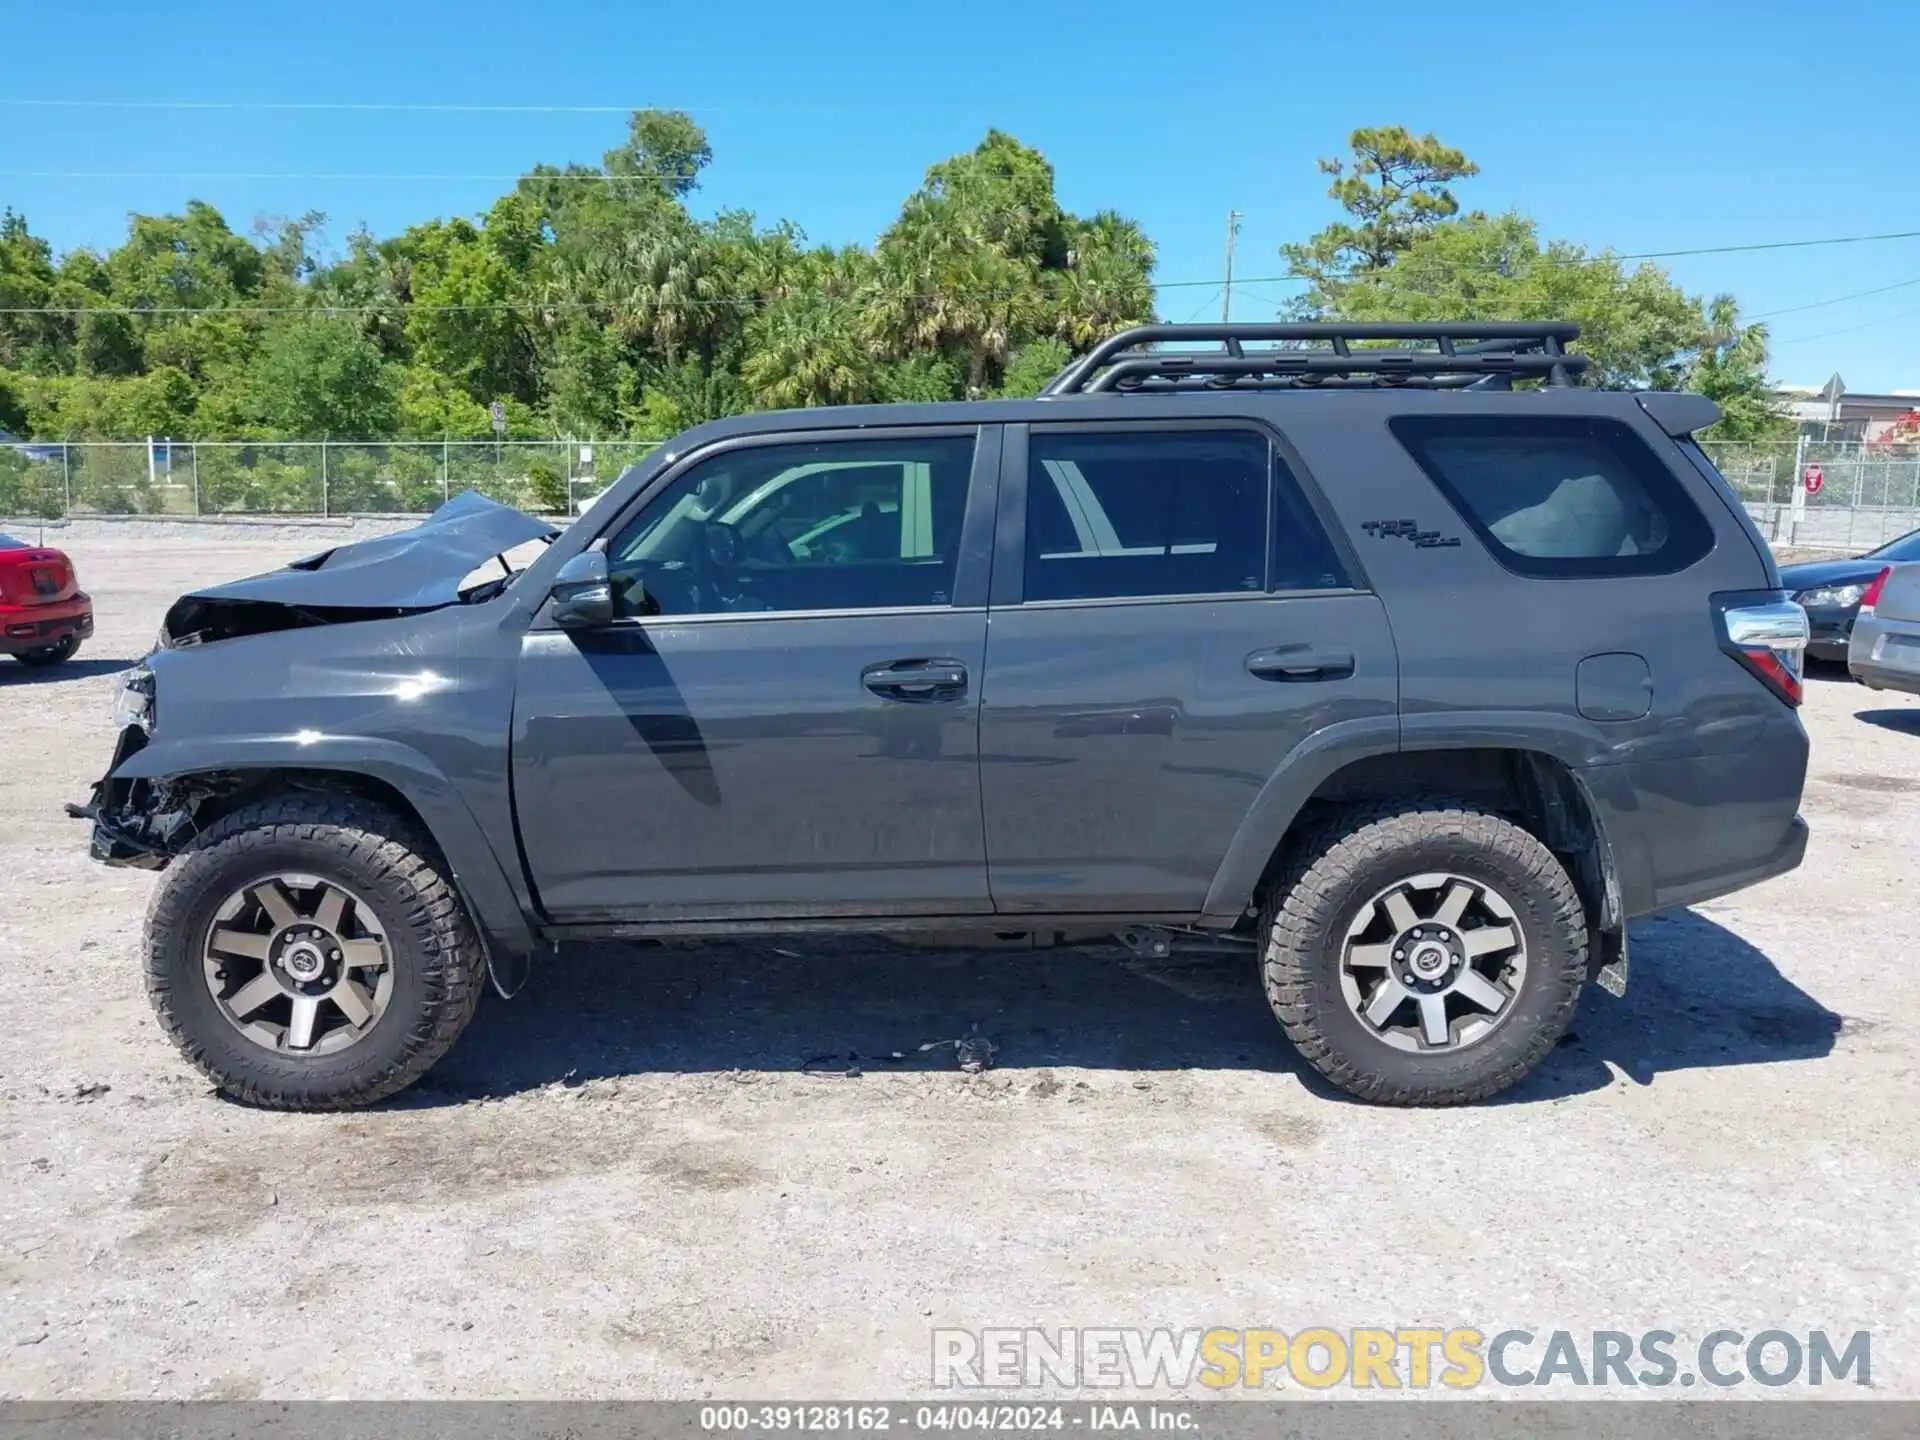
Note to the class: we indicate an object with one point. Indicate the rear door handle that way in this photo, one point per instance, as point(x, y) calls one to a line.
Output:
point(916, 681)
point(1295, 663)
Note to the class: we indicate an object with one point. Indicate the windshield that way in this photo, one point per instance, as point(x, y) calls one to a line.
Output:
point(7, 542)
point(1907, 547)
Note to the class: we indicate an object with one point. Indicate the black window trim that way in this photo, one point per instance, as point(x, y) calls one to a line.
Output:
point(1667, 490)
point(1010, 535)
point(972, 558)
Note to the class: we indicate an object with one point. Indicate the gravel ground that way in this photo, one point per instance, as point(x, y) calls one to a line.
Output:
point(643, 1179)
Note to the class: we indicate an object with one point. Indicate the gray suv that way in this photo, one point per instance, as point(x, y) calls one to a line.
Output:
point(1333, 643)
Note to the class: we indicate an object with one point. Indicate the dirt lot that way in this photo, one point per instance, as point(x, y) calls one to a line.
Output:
point(632, 1181)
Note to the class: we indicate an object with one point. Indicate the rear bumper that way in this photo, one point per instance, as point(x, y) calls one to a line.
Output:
point(34, 627)
point(1687, 830)
point(1885, 654)
point(1786, 855)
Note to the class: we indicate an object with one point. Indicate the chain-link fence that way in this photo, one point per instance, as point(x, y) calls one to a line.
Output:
point(1865, 494)
point(309, 477)
point(1868, 494)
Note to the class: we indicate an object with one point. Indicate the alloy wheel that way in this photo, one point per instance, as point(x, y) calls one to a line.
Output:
point(299, 965)
point(1433, 963)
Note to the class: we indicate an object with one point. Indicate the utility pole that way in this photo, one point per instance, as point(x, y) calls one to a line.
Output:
point(1226, 294)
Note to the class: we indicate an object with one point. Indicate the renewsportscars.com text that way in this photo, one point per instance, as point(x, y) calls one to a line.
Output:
point(1393, 1358)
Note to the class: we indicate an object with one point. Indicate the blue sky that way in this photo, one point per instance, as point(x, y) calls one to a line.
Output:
point(1634, 125)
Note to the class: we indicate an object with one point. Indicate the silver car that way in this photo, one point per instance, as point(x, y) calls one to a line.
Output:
point(1885, 648)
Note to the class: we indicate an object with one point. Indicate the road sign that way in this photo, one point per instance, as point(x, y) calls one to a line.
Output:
point(1813, 478)
point(498, 410)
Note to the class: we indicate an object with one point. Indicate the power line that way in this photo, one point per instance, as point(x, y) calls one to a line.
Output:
point(418, 106)
point(1205, 304)
point(1847, 329)
point(1533, 261)
point(1837, 299)
point(321, 175)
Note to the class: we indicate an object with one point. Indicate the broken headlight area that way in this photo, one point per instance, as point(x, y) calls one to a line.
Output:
point(144, 823)
point(133, 701)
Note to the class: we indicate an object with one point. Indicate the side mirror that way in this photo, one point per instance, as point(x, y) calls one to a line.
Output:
point(583, 593)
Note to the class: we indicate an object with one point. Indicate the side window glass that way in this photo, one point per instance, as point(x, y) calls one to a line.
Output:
point(1560, 496)
point(828, 525)
point(1135, 512)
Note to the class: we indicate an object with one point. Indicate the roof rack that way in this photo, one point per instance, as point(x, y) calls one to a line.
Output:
point(1486, 354)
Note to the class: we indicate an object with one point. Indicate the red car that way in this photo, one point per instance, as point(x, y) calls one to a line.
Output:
point(44, 614)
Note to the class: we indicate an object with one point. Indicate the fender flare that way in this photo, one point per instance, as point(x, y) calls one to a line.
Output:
point(477, 873)
point(1320, 756)
point(1303, 770)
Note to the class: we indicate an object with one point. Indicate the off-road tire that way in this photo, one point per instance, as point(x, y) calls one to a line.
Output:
point(58, 653)
point(438, 960)
point(1335, 870)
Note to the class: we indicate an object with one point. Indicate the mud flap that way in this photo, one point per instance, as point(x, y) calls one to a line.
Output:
point(1608, 964)
point(509, 972)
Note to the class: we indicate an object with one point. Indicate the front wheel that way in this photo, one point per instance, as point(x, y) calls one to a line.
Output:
point(1424, 953)
point(308, 953)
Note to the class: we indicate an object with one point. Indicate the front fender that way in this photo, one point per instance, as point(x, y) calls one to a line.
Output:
point(478, 873)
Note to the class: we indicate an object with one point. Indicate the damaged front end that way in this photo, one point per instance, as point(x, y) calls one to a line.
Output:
point(421, 568)
point(142, 823)
point(144, 820)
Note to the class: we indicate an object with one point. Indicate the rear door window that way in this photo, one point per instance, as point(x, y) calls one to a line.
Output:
point(1555, 495)
point(1133, 512)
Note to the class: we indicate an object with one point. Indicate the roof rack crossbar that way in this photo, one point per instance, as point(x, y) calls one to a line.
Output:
point(1305, 366)
point(1464, 348)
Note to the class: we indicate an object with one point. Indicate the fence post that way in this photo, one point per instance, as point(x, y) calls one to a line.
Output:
point(446, 473)
point(325, 510)
point(66, 482)
point(193, 454)
point(1796, 490)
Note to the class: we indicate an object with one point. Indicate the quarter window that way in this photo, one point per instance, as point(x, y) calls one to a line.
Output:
point(1159, 512)
point(1560, 496)
point(828, 525)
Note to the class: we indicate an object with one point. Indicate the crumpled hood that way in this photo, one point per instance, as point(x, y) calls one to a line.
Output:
point(414, 569)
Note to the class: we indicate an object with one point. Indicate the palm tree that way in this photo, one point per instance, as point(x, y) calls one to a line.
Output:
point(1107, 283)
point(808, 350)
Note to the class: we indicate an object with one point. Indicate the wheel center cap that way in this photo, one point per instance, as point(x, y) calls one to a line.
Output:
point(1429, 960)
point(303, 962)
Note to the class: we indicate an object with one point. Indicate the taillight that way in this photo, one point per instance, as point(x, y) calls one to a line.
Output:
point(1767, 633)
point(1872, 596)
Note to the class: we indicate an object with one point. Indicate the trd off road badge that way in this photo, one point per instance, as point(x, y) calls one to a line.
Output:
point(1408, 530)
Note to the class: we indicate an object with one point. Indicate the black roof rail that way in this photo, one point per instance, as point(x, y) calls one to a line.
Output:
point(1480, 353)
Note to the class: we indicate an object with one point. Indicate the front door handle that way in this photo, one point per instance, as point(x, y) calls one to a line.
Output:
point(917, 682)
point(1295, 663)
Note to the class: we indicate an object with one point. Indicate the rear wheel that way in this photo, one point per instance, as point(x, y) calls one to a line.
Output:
point(308, 953)
point(1424, 953)
point(57, 653)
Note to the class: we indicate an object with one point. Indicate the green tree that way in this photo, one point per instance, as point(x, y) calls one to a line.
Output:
point(983, 260)
point(1730, 369)
point(808, 349)
point(1033, 365)
point(1637, 326)
point(1397, 187)
point(318, 378)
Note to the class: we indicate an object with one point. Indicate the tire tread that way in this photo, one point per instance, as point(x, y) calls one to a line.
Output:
point(1320, 876)
point(381, 846)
